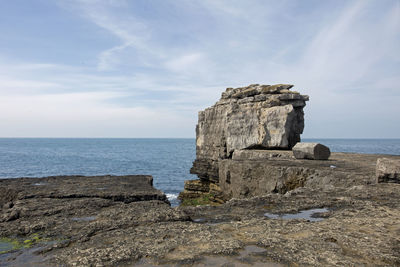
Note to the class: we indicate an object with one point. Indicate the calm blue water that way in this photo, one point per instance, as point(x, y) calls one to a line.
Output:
point(365, 146)
point(167, 160)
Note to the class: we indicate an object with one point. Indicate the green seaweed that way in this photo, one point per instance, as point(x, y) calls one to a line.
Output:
point(14, 243)
point(18, 243)
point(206, 199)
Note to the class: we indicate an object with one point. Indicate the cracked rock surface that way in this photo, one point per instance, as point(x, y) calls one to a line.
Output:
point(360, 228)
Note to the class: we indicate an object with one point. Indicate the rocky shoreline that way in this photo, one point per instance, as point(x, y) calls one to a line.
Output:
point(111, 220)
point(263, 198)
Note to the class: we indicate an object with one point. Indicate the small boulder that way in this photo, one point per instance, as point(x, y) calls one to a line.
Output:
point(311, 151)
point(388, 170)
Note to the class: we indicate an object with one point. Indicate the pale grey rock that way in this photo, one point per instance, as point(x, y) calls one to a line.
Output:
point(275, 89)
point(254, 154)
point(227, 94)
point(275, 127)
point(249, 178)
point(387, 170)
point(256, 116)
point(245, 93)
point(311, 151)
point(246, 100)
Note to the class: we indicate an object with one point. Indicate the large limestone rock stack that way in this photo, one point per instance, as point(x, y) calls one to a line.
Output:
point(256, 116)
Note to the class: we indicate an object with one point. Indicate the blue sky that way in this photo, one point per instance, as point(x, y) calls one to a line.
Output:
point(87, 68)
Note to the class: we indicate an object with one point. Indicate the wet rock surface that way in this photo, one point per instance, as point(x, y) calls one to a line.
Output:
point(361, 225)
point(359, 229)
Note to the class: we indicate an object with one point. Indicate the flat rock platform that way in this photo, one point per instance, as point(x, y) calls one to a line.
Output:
point(339, 216)
point(127, 189)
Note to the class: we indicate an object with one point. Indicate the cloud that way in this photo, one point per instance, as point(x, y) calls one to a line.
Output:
point(83, 115)
point(176, 57)
point(190, 64)
point(130, 32)
point(345, 51)
point(107, 58)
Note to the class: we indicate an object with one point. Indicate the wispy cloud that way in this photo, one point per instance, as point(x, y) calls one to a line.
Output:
point(130, 32)
point(345, 50)
point(175, 58)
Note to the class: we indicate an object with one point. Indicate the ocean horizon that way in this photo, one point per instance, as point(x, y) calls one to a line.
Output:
point(168, 160)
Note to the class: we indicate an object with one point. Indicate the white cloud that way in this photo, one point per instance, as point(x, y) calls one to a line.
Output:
point(132, 33)
point(83, 114)
point(14, 86)
point(107, 58)
point(189, 64)
point(179, 61)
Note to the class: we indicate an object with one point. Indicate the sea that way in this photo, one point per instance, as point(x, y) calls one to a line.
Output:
point(167, 160)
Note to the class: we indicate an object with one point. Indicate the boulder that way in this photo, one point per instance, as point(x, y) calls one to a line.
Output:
point(388, 170)
point(311, 151)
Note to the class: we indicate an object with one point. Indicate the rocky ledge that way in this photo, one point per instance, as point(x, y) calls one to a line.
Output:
point(61, 215)
point(106, 221)
point(126, 189)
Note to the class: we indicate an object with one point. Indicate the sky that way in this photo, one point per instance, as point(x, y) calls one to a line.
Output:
point(144, 68)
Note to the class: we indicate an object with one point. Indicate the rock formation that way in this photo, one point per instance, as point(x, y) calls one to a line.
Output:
point(252, 117)
point(387, 170)
point(124, 221)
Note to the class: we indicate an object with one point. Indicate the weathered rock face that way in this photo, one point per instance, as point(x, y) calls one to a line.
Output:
point(256, 178)
point(388, 170)
point(256, 116)
point(253, 173)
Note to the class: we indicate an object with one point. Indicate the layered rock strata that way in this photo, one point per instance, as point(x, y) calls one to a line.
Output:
point(90, 229)
point(128, 188)
point(252, 117)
